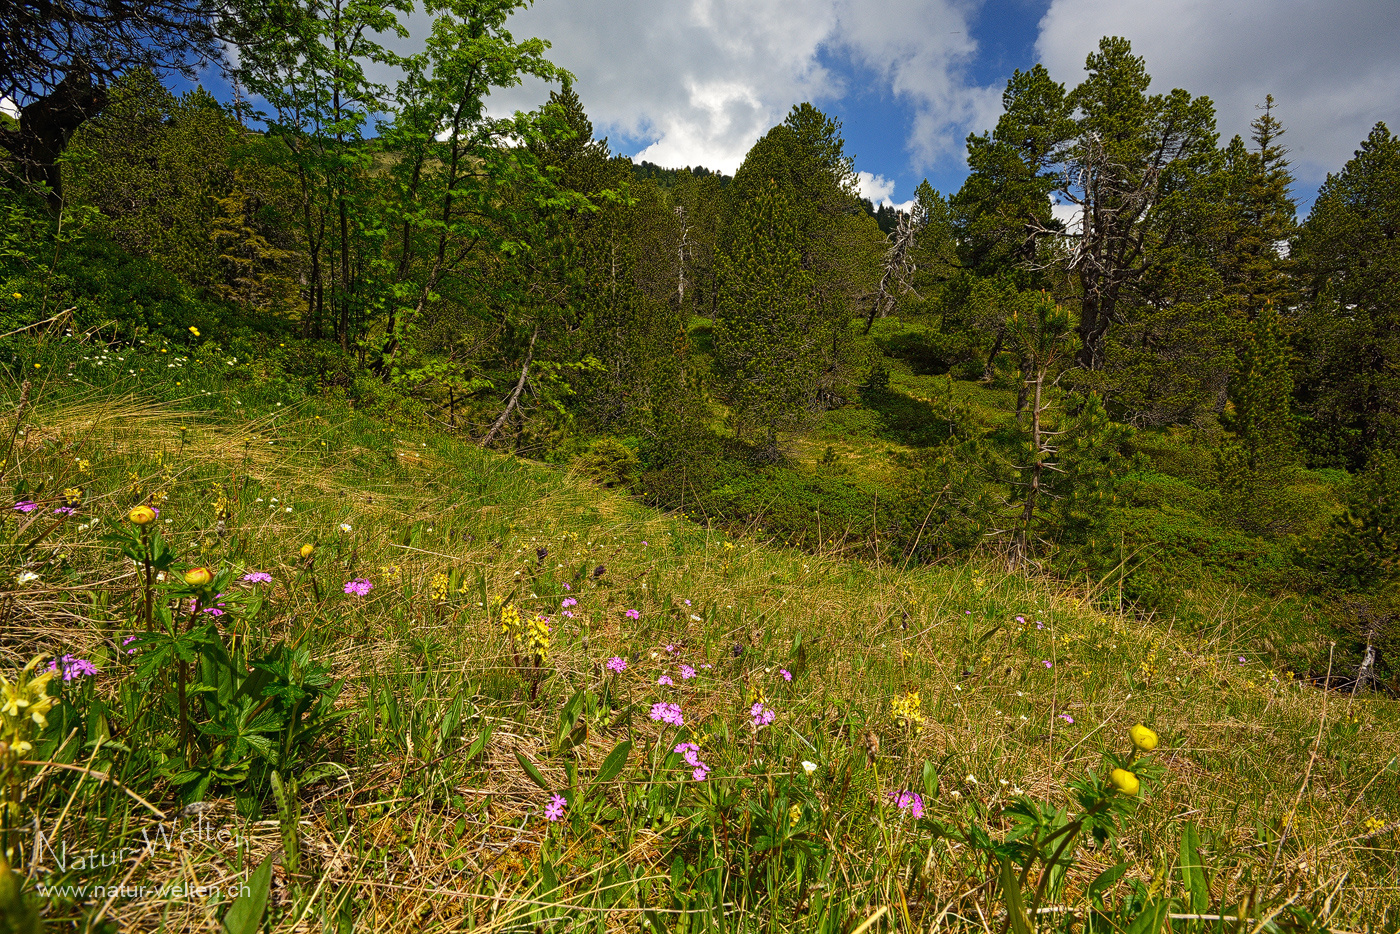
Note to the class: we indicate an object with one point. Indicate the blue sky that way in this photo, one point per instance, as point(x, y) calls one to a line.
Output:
point(696, 82)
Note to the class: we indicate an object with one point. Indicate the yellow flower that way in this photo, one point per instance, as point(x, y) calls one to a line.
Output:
point(437, 590)
point(142, 515)
point(73, 496)
point(1124, 781)
point(905, 709)
point(307, 549)
point(794, 815)
point(537, 637)
point(194, 330)
point(1143, 738)
point(16, 295)
point(199, 576)
point(510, 620)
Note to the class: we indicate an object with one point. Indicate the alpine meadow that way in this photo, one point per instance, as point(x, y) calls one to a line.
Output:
point(425, 518)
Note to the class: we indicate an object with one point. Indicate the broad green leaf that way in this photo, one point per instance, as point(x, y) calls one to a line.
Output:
point(246, 913)
point(1015, 907)
point(1193, 870)
point(531, 770)
point(613, 764)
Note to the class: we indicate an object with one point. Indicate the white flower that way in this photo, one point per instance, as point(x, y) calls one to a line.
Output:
point(971, 779)
point(27, 576)
point(345, 527)
point(808, 767)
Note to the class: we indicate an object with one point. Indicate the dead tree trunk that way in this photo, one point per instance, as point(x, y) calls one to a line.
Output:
point(896, 267)
point(514, 396)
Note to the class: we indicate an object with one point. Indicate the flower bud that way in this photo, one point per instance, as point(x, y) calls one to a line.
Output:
point(307, 549)
point(142, 515)
point(1124, 781)
point(199, 577)
point(1143, 738)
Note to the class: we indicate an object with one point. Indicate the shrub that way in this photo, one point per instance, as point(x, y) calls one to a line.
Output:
point(609, 462)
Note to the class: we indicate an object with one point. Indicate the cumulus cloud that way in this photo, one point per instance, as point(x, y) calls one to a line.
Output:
point(697, 82)
point(1333, 68)
point(879, 190)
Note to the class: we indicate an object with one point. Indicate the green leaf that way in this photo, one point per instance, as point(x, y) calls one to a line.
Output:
point(1106, 879)
point(613, 764)
point(531, 770)
point(1150, 921)
point(1015, 907)
point(246, 913)
point(480, 742)
point(1193, 871)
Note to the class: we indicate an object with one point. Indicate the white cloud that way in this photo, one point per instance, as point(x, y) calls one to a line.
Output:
point(699, 81)
point(879, 190)
point(1333, 68)
point(9, 108)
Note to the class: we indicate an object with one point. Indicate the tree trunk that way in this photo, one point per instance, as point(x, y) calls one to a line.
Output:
point(514, 396)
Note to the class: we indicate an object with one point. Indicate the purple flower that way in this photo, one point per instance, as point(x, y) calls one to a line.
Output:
point(554, 810)
point(691, 752)
point(257, 577)
point(1047, 663)
point(359, 586)
point(617, 665)
point(687, 603)
point(634, 614)
point(666, 680)
point(1241, 659)
point(566, 586)
point(707, 665)
point(667, 713)
point(643, 543)
point(569, 614)
point(1021, 620)
point(127, 641)
point(762, 716)
point(1065, 717)
point(670, 649)
point(1039, 624)
point(568, 602)
point(787, 675)
point(72, 667)
point(687, 672)
point(910, 800)
point(25, 505)
point(64, 511)
point(701, 772)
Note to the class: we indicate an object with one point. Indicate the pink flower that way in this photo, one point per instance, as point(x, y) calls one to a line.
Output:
point(691, 752)
point(25, 505)
point(1047, 663)
point(667, 713)
point(666, 680)
point(910, 800)
point(569, 601)
point(566, 586)
point(1065, 717)
point(1021, 620)
point(617, 665)
point(762, 716)
point(554, 810)
point(701, 773)
point(257, 577)
point(787, 675)
point(127, 641)
point(359, 586)
point(687, 672)
point(634, 614)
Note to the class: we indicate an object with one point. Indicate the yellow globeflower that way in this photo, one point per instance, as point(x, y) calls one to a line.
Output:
point(142, 515)
point(194, 330)
point(16, 295)
point(199, 576)
point(1124, 781)
point(307, 549)
point(1143, 738)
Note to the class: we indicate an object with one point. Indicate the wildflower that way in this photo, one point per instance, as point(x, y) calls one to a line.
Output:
point(127, 641)
point(1241, 657)
point(217, 609)
point(510, 620)
point(761, 715)
point(701, 772)
point(143, 515)
point(537, 638)
point(359, 586)
point(617, 665)
point(670, 648)
point(634, 614)
point(1021, 620)
point(905, 709)
point(1066, 717)
point(666, 680)
point(808, 767)
point(687, 672)
point(16, 295)
point(568, 602)
point(554, 810)
point(1143, 738)
point(25, 505)
point(307, 549)
point(787, 675)
point(1124, 781)
point(199, 576)
point(667, 713)
point(71, 667)
point(971, 779)
point(912, 801)
point(794, 815)
point(566, 586)
point(26, 577)
point(1039, 624)
point(438, 587)
point(194, 330)
point(73, 496)
point(345, 527)
point(1047, 663)
point(257, 577)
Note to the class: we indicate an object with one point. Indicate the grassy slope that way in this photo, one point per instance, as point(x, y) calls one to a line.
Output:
point(417, 837)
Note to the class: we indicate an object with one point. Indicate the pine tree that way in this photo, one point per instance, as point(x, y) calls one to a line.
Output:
point(1263, 395)
point(766, 334)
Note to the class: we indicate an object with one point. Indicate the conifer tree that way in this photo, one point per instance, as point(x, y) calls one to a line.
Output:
point(1263, 394)
point(766, 330)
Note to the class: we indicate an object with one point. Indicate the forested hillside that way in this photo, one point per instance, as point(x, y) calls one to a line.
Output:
point(1115, 369)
